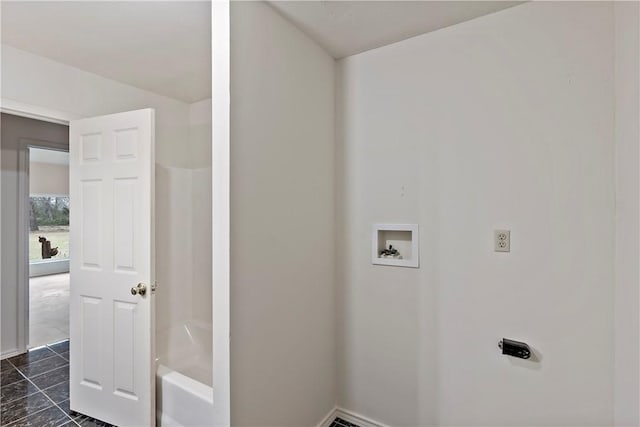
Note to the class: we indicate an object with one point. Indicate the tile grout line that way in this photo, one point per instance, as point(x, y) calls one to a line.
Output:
point(43, 359)
point(44, 394)
point(15, 382)
point(42, 373)
point(57, 406)
point(35, 361)
point(58, 353)
point(38, 389)
point(23, 418)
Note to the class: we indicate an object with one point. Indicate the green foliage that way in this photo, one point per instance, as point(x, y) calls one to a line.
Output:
point(50, 210)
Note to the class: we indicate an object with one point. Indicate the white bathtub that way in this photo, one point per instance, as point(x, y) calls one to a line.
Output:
point(183, 385)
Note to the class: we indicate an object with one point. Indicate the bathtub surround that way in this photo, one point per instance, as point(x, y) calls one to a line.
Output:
point(181, 400)
point(200, 143)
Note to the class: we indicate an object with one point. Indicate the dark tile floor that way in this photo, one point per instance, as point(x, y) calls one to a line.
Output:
point(34, 390)
point(339, 422)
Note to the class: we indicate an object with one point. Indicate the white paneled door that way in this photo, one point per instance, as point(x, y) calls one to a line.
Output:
point(112, 376)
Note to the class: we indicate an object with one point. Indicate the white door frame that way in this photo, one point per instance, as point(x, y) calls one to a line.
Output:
point(21, 109)
point(23, 226)
point(17, 108)
point(220, 211)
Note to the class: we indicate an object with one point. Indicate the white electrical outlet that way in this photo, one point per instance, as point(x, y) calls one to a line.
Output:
point(502, 240)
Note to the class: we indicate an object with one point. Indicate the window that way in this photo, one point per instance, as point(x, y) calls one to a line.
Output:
point(48, 221)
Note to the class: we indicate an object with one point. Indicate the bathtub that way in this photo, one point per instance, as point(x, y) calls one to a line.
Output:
point(184, 395)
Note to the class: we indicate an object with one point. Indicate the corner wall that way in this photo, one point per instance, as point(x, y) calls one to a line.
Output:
point(282, 222)
point(505, 121)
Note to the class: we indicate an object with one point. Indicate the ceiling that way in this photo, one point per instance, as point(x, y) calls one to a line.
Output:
point(52, 157)
point(165, 46)
point(160, 46)
point(345, 28)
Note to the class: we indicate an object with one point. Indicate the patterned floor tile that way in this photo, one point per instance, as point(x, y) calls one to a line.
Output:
point(20, 408)
point(43, 399)
point(34, 369)
point(60, 347)
point(85, 421)
point(16, 391)
point(10, 375)
point(4, 364)
point(58, 393)
point(49, 417)
point(52, 378)
point(31, 356)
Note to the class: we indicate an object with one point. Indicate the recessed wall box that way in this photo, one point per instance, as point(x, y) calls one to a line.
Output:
point(395, 245)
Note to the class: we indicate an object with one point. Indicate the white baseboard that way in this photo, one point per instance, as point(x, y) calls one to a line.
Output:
point(328, 419)
point(352, 417)
point(47, 268)
point(10, 353)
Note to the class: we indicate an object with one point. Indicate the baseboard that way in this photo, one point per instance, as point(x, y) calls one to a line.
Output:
point(352, 417)
point(10, 353)
point(328, 419)
point(47, 268)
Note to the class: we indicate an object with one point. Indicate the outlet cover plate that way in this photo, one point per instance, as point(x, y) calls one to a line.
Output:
point(502, 240)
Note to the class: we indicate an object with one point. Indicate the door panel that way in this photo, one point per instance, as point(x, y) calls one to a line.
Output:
point(112, 329)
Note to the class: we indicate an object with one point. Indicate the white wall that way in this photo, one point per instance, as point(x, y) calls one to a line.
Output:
point(627, 295)
point(30, 79)
point(505, 121)
point(282, 222)
point(39, 81)
point(48, 179)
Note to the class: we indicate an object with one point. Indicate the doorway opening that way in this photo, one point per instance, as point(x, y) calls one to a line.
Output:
point(48, 219)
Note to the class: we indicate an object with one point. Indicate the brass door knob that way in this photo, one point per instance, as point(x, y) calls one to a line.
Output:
point(141, 289)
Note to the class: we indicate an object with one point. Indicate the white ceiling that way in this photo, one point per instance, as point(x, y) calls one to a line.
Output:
point(52, 157)
point(163, 47)
point(345, 28)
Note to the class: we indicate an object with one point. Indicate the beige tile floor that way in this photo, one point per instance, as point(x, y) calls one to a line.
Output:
point(48, 309)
